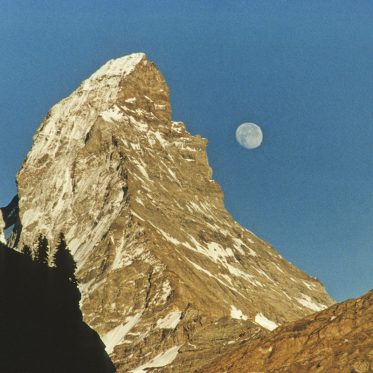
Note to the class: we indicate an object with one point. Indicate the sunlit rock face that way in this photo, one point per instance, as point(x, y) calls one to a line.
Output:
point(2, 227)
point(162, 265)
point(338, 339)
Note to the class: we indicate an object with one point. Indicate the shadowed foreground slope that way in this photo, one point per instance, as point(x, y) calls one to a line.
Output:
point(41, 327)
point(336, 340)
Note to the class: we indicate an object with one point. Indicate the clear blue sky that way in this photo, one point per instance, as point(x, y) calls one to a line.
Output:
point(301, 69)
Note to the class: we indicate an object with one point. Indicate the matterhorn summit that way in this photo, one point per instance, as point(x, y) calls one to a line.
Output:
point(168, 279)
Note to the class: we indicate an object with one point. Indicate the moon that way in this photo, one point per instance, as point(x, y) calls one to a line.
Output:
point(249, 135)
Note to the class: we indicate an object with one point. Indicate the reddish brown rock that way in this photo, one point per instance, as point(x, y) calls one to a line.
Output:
point(336, 340)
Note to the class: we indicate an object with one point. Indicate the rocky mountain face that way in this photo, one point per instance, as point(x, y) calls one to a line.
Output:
point(8, 219)
point(168, 278)
point(336, 340)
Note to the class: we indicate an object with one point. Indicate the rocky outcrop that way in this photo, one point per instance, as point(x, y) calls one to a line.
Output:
point(2, 228)
point(8, 219)
point(161, 263)
point(339, 339)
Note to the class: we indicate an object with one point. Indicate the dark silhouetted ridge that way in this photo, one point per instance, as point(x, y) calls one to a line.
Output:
point(41, 326)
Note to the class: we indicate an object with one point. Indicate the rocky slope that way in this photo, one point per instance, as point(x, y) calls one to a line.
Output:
point(337, 340)
point(162, 265)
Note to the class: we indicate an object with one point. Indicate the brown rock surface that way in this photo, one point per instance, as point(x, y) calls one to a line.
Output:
point(336, 340)
point(159, 258)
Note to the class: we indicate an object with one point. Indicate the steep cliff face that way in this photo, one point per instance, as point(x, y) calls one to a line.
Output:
point(339, 339)
point(159, 257)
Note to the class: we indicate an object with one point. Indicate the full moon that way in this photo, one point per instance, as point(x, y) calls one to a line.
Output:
point(249, 135)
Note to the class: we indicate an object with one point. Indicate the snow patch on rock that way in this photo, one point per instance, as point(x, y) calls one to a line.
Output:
point(166, 291)
point(118, 67)
point(170, 321)
point(306, 301)
point(264, 322)
point(237, 314)
point(161, 360)
point(114, 114)
point(116, 335)
point(239, 245)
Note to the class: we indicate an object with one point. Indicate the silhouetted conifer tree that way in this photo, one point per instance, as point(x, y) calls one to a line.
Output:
point(27, 251)
point(64, 261)
point(42, 251)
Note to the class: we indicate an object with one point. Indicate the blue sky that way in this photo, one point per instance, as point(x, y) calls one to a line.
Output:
point(302, 70)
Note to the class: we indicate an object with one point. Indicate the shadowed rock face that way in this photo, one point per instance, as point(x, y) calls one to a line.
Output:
point(8, 218)
point(159, 258)
point(337, 340)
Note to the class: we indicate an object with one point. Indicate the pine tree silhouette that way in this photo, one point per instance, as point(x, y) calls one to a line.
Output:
point(27, 251)
point(42, 251)
point(64, 261)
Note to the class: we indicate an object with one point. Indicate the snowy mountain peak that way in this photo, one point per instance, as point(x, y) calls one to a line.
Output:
point(121, 66)
point(162, 264)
